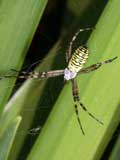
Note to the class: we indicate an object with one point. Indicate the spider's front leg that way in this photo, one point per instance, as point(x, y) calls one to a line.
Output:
point(69, 51)
point(96, 66)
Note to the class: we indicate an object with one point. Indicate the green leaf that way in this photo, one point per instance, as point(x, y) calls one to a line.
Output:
point(61, 137)
point(18, 22)
point(7, 139)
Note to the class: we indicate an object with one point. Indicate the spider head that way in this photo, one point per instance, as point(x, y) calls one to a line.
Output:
point(69, 74)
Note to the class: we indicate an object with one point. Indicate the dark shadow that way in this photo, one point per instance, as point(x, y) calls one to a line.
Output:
point(111, 144)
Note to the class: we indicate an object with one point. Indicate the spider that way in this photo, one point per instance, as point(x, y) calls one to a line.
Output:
point(75, 65)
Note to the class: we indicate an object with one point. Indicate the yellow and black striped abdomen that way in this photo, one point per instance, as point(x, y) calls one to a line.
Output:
point(78, 59)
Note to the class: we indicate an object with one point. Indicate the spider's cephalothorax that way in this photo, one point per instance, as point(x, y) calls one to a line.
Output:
point(75, 66)
point(76, 62)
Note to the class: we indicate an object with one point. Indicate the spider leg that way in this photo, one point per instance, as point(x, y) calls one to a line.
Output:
point(28, 68)
point(90, 114)
point(77, 100)
point(94, 67)
point(9, 76)
point(68, 53)
point(14, 70)
point(23, 74)
point(41, 75)
point(35, 74)
point(33, 65)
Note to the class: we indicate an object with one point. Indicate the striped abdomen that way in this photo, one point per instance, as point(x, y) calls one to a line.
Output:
point(78, 59)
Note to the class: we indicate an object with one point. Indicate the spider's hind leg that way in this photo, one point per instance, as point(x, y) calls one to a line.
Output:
point(78, 118)
point(90, 114)
point(77, 101)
